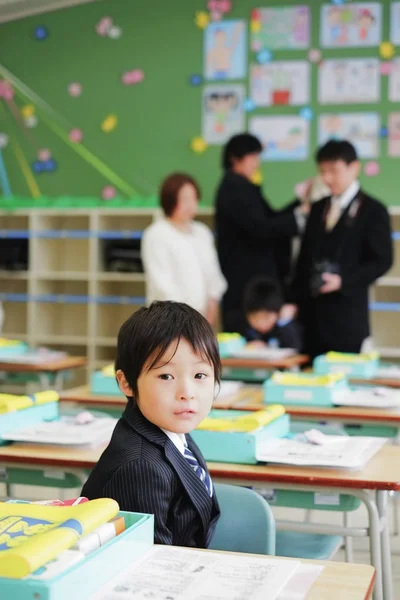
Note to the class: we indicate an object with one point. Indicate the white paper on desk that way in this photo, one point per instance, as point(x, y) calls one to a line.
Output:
point(65, 432)
point(35, 357)
point(228, 388)
point(340, 452)
point(301, 582)
point(370, 398)
point(264, 353)
point(389, 372)
point(179, 574)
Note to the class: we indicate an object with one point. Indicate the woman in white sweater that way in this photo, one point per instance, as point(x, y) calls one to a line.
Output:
point(178, 253)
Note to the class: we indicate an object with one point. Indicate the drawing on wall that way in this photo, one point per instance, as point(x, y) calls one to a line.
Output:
point(358, 24)
point(361, 129)
point(223, 113)
point(281, 27)
point(394, 81)
point(395, 23)
point(394, 134)
point(225, 50)
point(283, 137)
point(355, 80)
point(280, 83)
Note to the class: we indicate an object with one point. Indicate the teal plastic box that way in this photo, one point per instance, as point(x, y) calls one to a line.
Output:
point(230, 346)
point(11, 351)
point(366, 368)
point(87, 577)
point(104, 385)
point(25, 417)
point(306, 395)
point(237, 447)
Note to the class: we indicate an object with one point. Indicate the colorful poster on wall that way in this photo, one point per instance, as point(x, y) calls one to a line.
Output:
point(283, 137)
point(361, 129)
point(223, 113)
point(280, 83)
point(394, 81)
point(286, 27)
point(355, 80)
point(394, 134)
point(395, 23)
point(225, 51)
point(358, 24)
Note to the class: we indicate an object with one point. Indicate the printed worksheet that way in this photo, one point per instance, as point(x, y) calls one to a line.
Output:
point(349, 81)
point(280, 83)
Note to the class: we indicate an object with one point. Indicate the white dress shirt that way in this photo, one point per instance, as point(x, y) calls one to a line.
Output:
point(182, 266)
point(178, 439)
point(347, 196)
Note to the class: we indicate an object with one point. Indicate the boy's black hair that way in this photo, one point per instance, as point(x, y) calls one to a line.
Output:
point(149, 331)
point(336, 150)
point(240, 146)
point(262, 293)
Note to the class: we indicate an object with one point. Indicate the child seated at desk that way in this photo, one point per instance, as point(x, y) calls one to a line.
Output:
point(267, 321)
point(167, 365)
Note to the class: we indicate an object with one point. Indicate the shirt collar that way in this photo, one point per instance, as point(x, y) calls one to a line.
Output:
point(178, 439)
point(348, 195)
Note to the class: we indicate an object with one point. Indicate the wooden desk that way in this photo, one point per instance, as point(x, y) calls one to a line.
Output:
point(380, 475)
point(44, 370)
point(83, 395)
point(255, 363)
point(377, 381)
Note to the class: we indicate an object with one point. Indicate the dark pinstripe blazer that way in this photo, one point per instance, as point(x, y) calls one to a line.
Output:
point(144, 472)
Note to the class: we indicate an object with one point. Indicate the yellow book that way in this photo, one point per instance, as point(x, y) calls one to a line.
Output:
point(6, 343)
point(9, 402)
point(31, 535)
point(108, 371)
point(300, 380)
point(351, 358)
point(245, 423)
point(228, 337)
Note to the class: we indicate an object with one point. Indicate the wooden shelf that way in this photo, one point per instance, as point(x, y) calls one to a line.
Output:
point(126, 277)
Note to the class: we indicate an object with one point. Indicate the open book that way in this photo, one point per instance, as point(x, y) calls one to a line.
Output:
point(31, 535)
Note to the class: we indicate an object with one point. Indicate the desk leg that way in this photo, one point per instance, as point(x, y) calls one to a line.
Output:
point(387, 581)
point(44, 380)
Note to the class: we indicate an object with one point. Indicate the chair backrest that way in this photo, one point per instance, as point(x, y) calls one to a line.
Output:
point(246, 523)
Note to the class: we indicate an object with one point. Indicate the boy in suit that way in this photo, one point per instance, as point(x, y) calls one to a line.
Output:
point(347, 245)
point(267, 320)
point(167, 365)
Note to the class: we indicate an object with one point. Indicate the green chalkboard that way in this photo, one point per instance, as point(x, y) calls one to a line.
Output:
point(158, 117)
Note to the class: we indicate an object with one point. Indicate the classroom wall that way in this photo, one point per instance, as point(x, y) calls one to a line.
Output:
point(158, 117)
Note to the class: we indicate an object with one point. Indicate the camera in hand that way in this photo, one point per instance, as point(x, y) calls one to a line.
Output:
point(320, 267)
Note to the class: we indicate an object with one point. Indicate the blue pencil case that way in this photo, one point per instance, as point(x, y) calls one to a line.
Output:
point(88, 576)
point(103, 384)
point(11, 348)
point(229, 343)
point(304, 389)
point(351, 365)
point(18, 419)
point(237, 446)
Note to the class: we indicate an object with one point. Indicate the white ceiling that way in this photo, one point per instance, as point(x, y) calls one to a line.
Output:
point(11, 10)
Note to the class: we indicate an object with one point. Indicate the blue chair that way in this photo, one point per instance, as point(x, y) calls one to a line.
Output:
point(246, 523)
point(293, 544)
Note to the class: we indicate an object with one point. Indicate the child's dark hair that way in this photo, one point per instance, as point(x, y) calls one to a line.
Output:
point(336, 150)
point(170, 188)
point(262, 293)
point(238, 147)
point(149, 331)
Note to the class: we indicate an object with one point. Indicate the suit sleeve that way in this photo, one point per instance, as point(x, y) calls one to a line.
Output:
point(248, 216)
point(378, 252)
point(291, 336)
point(298, 288)
point(141, 486)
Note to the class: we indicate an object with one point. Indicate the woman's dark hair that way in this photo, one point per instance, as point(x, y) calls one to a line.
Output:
point(149, 331)
point(170, 189)
point(238, 147)
point(336, 150)
point(262, 293)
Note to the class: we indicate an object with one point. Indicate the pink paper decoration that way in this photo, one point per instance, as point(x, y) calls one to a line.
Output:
point(219, 6)
point(132, 77)
point(74, 89)
point(44, 154)
point(314, 55)
point(215, 16)
point(75, 135)
point(372, 169)
point(108, 192)
point(385, 68)
point(6, 90)
point(104, 26)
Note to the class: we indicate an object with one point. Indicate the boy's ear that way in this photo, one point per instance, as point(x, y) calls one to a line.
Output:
point(123, 384)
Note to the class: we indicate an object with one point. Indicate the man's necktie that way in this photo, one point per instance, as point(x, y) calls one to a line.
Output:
point(198, 469)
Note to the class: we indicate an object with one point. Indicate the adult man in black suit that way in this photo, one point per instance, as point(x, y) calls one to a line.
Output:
point(347, 245)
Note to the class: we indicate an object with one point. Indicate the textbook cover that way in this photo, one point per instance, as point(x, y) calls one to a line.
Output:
point(31, 535)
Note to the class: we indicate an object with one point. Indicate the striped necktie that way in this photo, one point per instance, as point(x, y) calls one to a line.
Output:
point(198, 469)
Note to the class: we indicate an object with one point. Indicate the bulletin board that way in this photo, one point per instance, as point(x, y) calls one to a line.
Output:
point(111, 96)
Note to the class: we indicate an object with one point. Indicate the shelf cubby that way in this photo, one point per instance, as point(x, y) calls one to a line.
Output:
point(62, 255)
point(61, 309)
point(105, 355)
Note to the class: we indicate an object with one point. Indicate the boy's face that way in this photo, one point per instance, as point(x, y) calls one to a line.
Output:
point(262, 320)
point(178, 392)
point(337, 175)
